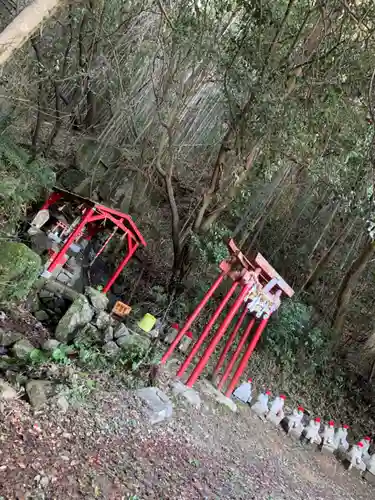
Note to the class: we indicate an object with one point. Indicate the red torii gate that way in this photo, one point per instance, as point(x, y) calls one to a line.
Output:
point(254, 280)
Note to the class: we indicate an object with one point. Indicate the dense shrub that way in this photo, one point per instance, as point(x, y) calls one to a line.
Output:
point(21, 181)
point(19, 268)
point(293, 341)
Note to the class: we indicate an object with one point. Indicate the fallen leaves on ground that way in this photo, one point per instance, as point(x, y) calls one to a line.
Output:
point(106, 449)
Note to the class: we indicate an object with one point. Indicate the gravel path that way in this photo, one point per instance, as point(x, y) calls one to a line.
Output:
point(104, 448)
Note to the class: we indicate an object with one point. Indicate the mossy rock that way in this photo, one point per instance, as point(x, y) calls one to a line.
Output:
point(88, 335)
point(19, 269)
point(78, 315)
point(22, 349)
point(134, 341)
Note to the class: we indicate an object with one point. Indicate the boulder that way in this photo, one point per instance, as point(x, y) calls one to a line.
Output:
point(6, 363)
point(111, 348)
point(46, 294)
point(50, 345)
point(187, 393)
point(19, 269)
point(6, 391)
point(108, 334)
point(103, 320)
point(123, 341)
point(209, 389)
point(38, 392)
point(159, 406)
point(98, 300)
point(88, 335)
point(41, 315)
point(121, 331)
point(22, 349)
point(134, 340)
point(8, 338)
point(33, 303)
point(15, 378)
point(79, 314)
point(62, 403)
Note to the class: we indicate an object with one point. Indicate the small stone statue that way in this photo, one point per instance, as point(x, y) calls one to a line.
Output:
point(311, 433)
point(171, 333)
point(370, 465)
point(341, 439)
point(328, 437)
point(260, 407)
point(185, 342)
point(295, 419)
point(354, 457)
point(276, 413)
point(366, 441)
point(243, 392)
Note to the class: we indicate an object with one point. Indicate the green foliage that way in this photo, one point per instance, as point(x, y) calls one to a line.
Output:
point(293, 341)
point(211, 247)
point(19, 268)
point(91, 357)
point(136, 356)
point(21, 181)
point(38, 357)
point(130, 359)
point(61, 354)
point(79, 389)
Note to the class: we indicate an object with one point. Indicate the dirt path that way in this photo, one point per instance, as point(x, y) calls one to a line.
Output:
point(105, 449)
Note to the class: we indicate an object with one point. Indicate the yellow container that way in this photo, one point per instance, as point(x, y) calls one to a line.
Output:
point(147, 323)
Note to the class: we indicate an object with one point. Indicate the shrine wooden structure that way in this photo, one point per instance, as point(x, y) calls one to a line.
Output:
point(93, 218)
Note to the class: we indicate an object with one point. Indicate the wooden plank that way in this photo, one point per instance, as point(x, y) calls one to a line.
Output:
point(272, 273)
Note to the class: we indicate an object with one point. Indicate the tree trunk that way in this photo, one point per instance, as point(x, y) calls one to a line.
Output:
point(23, 26)
point(244, 234)
point(180, 269)
point(259, 231)
point(325, 230)
point(292, 226)
point(348, 284)
point(326, 257)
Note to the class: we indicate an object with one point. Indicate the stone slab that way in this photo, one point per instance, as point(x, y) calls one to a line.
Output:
point(274, 419)
point(38, 392)
point(187, 393)
point(6, 391)
point(354, 471)
point(326, 450)
point(209, 389)
point(295, 433)
point(159, 406)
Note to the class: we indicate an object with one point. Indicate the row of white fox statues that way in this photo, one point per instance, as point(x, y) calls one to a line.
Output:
point(298, 425)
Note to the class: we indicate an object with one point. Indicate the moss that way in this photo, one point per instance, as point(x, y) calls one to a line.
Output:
point(19, 269)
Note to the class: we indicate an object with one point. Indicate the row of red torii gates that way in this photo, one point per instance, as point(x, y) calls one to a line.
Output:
point(256, 292)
